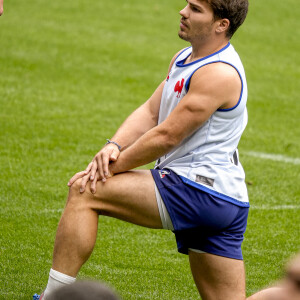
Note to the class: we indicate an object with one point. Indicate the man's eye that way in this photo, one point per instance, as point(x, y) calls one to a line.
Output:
point(195, 9)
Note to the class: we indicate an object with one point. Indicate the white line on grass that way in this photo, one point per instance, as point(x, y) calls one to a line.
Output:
point(51, 211)
point(274, 157)
point(276, 207)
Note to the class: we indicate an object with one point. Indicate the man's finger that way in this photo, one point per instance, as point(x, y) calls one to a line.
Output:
point(100, 169)
point(76, 176)
point(105, 163)
point(114, 155)
point(88, 168)
point(94, 183)
point(84, 181)
point(93, 171)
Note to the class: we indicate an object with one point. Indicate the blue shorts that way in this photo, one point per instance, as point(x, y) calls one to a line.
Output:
point(200, 220)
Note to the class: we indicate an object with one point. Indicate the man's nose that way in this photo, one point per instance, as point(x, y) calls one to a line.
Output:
point(184, 12)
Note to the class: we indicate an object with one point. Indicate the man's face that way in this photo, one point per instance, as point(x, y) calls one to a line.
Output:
point(291, 282)
point(197, 22)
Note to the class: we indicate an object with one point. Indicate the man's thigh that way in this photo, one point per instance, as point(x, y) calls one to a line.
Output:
point(218, 278)
point(128, 196)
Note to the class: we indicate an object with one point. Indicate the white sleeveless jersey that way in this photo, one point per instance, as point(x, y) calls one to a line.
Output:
point(208, 159)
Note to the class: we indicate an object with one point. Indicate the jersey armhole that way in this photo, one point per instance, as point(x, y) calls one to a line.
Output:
point(187, 84)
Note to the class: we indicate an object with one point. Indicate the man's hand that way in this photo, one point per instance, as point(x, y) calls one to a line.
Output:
point(101, 161)
point(1, 7)
point(98, 169)
point(81, 174)
point(86, 178)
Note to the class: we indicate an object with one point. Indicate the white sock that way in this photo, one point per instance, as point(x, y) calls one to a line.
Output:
point(57, 280)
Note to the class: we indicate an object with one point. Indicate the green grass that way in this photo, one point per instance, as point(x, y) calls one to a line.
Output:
point(70, 73)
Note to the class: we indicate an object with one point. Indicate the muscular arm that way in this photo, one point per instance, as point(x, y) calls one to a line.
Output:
point(136, 125)
point(142, 119)
point(213, 86)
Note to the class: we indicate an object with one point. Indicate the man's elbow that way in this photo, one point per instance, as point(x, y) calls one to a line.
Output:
point(169, 140)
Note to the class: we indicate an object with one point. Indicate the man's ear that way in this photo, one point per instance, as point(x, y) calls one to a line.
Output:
point(222, 25)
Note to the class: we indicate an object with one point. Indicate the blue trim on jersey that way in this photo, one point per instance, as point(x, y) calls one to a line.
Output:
point(232, 108)
point(178, 56)
point(187, 84)
point(181, 64)
point(215, 193)
point(182, 52)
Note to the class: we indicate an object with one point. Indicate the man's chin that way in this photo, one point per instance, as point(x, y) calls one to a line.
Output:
point(182, 35)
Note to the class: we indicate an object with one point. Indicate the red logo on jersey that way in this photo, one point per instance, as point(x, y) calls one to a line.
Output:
point(178, 87)
point(169, 76)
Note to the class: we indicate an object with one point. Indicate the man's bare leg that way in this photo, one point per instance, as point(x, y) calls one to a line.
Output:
point(129, 196)
point(218, 278)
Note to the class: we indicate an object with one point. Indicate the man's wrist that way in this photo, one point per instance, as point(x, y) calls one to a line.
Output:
point(112, 142)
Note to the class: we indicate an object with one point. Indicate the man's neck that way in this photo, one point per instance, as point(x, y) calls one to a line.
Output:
point(201, 50)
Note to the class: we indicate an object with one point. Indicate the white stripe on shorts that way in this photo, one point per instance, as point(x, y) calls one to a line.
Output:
point(196, 250)
point(164, 215)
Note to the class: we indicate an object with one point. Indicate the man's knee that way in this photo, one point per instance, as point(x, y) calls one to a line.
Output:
point(86, 199)
point(75, 196)
point(75, 187)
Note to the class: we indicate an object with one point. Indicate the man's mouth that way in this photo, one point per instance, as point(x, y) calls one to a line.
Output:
point(183, 24)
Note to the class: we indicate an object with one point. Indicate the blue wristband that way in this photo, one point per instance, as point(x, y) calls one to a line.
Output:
point(111, 142)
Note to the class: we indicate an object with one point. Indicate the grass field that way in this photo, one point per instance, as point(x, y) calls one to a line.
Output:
point(70, 72)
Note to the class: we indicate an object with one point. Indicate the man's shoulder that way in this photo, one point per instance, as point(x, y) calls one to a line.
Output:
point(218, 72)
point(218, 81)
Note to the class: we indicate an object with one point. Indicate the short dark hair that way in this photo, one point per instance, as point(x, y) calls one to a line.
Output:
point(84, 290)
point(233, 10)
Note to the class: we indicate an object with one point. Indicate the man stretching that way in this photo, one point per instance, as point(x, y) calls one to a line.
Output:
point(191, 125)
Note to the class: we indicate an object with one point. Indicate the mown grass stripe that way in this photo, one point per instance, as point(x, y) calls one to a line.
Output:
point(276, 207)
point(274, 157)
